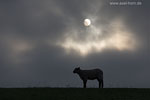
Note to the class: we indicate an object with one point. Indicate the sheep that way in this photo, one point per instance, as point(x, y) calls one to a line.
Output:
point(90, 75)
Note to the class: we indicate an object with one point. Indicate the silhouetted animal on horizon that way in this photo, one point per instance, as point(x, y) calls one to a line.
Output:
point(90, 75)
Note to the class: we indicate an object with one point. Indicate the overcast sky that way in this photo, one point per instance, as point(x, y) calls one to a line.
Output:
point(42, 41)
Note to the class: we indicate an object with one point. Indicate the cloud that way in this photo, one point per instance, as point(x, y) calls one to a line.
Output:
point(117, 37)
point(36, 35)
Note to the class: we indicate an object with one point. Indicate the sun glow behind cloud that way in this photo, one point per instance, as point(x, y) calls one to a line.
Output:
point(117, 38)
point(17, 48)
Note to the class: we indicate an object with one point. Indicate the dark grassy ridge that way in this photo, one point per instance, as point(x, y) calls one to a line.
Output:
point(74, 94)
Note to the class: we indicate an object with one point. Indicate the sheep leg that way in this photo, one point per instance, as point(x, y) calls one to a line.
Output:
point(84, 83)
point(100, 83)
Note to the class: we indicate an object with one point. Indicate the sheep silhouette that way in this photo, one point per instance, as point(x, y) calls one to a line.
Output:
point(90, 75)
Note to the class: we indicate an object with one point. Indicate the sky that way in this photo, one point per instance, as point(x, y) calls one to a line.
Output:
point(42, 41)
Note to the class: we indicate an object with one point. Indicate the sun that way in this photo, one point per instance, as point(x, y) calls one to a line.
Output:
point(87, 22)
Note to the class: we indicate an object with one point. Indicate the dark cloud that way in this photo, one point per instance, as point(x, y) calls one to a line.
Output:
point(30, 30)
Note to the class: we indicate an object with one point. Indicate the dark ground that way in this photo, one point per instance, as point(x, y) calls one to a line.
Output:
point(74, 94)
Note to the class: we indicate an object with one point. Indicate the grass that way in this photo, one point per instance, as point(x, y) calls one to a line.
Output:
point(74, 94)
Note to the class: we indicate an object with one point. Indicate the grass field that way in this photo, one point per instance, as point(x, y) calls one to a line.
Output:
point(74, 94)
